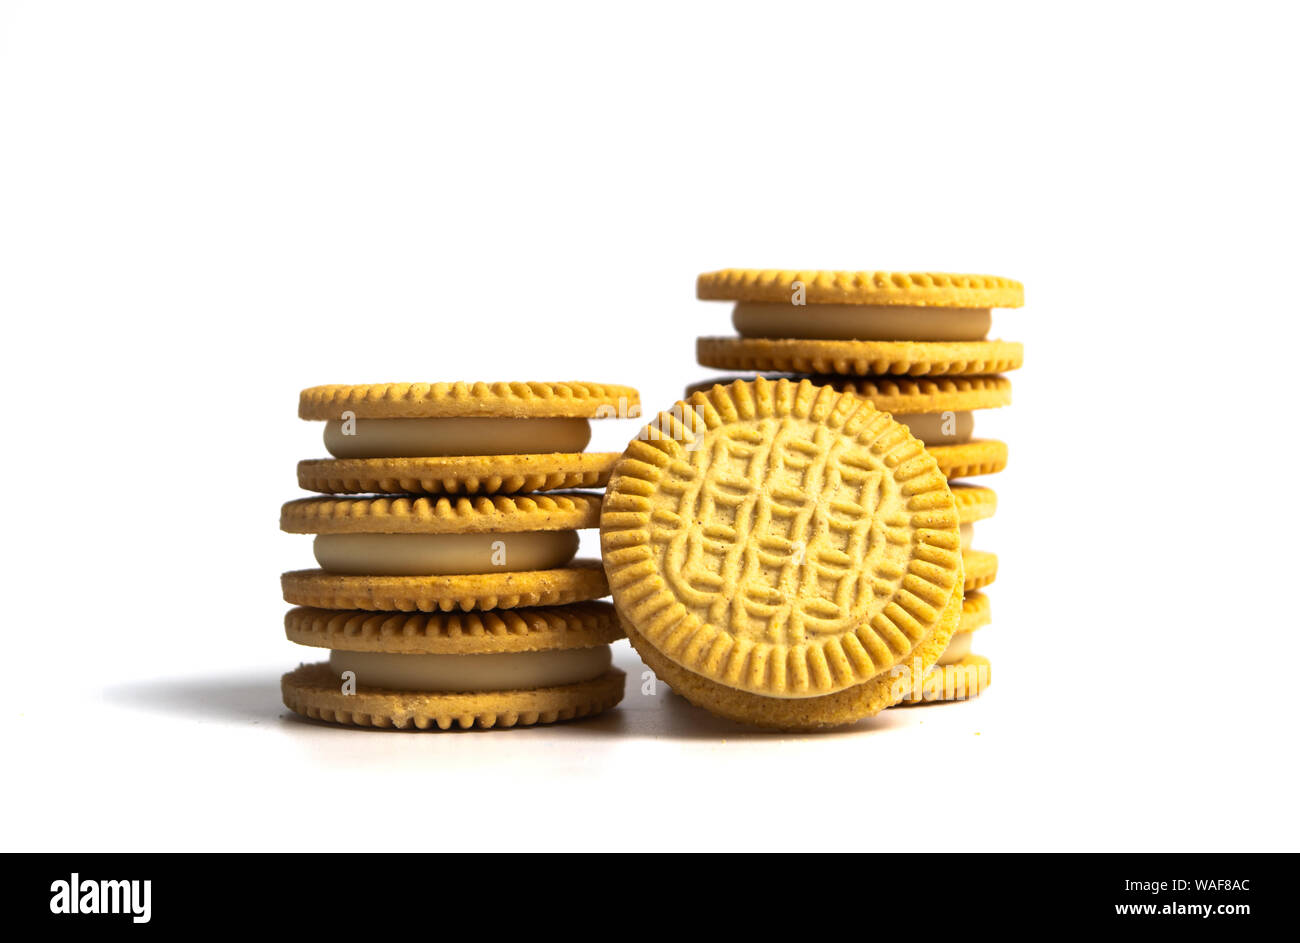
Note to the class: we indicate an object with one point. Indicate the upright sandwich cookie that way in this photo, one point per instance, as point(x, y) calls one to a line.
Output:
point(783, 554)
point(860, 323)
point(460, 438)
point(440, 554)
point(491, 669)
point(939, 412)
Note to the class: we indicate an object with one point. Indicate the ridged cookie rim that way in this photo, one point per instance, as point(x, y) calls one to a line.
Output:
point(971, 459)
point(504, 400)
point(860, 358)
point(425, 514)
point(974, 502)
point(895, 394)
point(801, 714)
point(829, 286)
point(980, 567)
point(971, 673)
point(807, 668)
point(454, 476)
point(579, 581)
point(526, 629)
point(303, 692)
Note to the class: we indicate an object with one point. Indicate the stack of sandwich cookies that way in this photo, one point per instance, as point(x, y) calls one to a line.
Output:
point(460, 438)
point(915, 345)
point(467, 607)
point(783, 554)
point(860, 323)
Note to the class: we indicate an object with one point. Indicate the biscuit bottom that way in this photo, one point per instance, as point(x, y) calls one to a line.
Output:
point(443, 554)
point(860, 322)
point(417, 438)
point(314, 691)
point(497, 671)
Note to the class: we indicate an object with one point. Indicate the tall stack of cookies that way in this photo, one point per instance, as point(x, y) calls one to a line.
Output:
point(447, 590)
point(914, 344)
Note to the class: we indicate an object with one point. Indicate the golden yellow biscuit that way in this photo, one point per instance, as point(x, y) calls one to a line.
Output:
point(859, 358)
point(973, 502)
point(912, 289)
point(803, 713)
point(457, 400)
point(976, 612)
point(784, 542)
point(981, 568)
point(313, 691)
point(966, 459)
point(580, 580)
point(579, 625)
point(457, 475)
point(489, 514)
point(958, 682)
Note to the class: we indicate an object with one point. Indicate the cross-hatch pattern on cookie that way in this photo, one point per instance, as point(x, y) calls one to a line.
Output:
point(767, 527)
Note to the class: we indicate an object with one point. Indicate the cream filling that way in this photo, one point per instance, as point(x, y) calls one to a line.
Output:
point(945, 428)
point(860, 322)
point(443, 554)
point(957, 649)
point(506, 671)
point(967, 536)
point(423, 438)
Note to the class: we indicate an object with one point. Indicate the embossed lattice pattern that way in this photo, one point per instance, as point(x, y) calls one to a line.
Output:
point(780, 537)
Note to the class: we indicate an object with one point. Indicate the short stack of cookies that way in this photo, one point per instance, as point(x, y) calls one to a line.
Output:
point(916, 346)
point(447, 591)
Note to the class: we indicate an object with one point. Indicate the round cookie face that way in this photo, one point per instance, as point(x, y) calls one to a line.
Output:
point(904, 395)
point(981, 568)
point(314, 691)
point(914, 289)
point(965, 459)
point(452, 400)
point(581, 580)
point(860, 358)
point(780, 539)
point(496, 514)
point(453, 475)
point(579, 625)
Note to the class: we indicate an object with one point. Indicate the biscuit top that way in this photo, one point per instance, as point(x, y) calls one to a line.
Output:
point(919, 289)
point(495, 514)
point(906, 394)
point(435, 400)
point(781, 538)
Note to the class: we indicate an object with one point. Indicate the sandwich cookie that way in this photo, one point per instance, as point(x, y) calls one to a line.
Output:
point(460, 438)
point(860, 323)
point(782, 554)
point(939, 412)
point(434, 671)
point(440, 554)
point(958, 674)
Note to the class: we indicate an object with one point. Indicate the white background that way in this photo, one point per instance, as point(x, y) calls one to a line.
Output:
point(206, 207)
